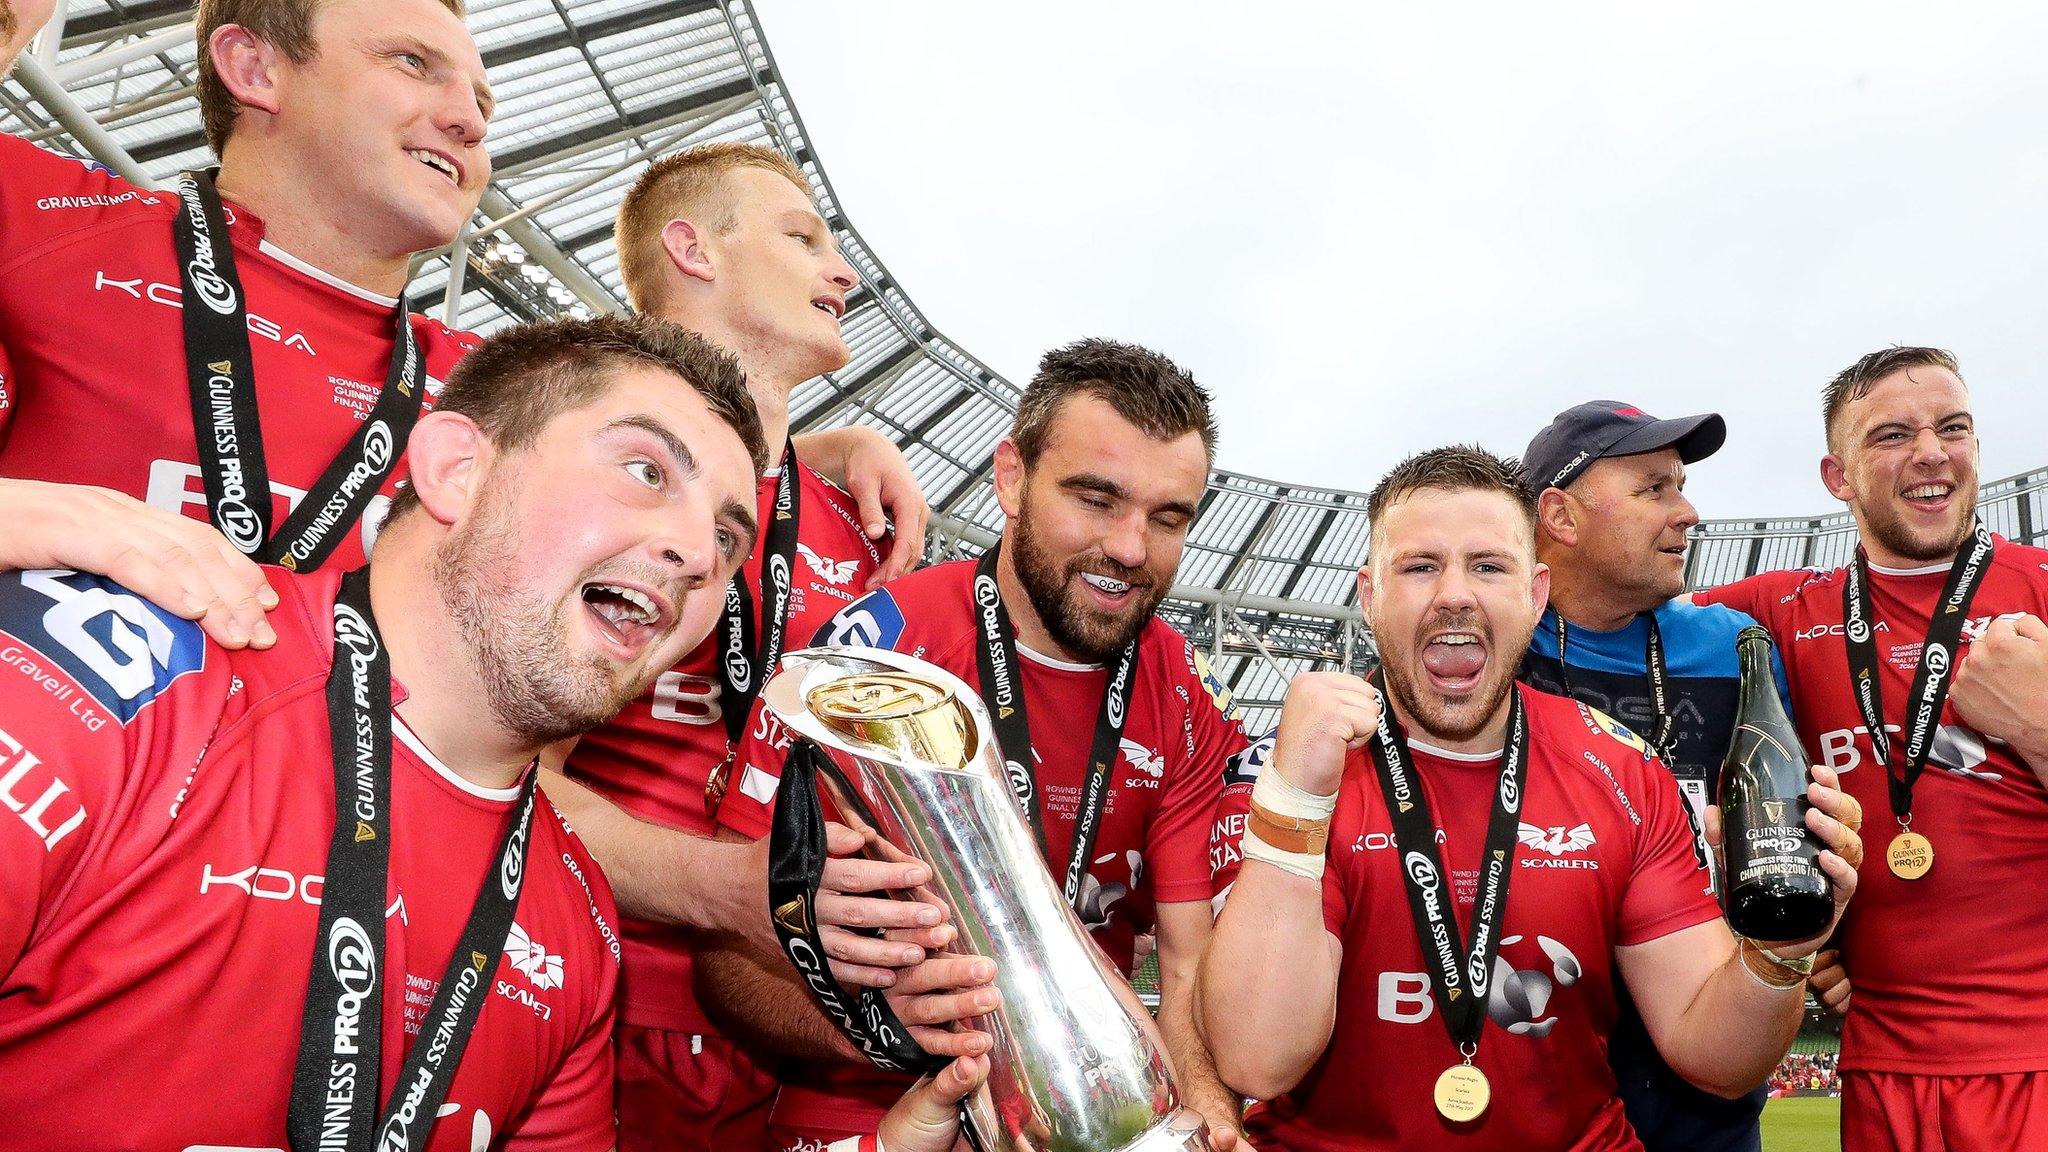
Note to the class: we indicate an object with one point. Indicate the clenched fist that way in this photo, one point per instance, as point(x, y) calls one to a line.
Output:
point(2001, 690)
point(1325, 716)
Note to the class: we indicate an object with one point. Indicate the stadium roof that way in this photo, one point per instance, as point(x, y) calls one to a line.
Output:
point(588, 92)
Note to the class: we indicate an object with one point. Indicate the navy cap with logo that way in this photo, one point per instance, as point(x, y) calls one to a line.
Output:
point(1603, 429)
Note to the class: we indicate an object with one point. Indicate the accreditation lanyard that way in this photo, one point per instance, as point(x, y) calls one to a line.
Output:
point(742, 666)
point(1459, 973)
point(334, 1088)
point(221, 374)
point(1002, 690)
point(1931, 681)
point(1654, 670)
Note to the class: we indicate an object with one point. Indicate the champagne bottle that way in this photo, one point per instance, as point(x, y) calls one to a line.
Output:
point(1774, 888)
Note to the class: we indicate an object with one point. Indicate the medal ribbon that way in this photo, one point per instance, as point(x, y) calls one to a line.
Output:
point(1002, 690)
point(1931, 681)
point(742, 666)
point(1654, 671)
point(1459, 975)
point(335, 1083)
point(221, 374)
point(796, 864)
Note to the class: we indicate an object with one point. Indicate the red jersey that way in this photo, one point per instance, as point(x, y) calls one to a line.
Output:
point(92, 345)
point(1927, 1000)
point(656, 759)
point(167, 811)
point(1606, 859)
point(1180, 736)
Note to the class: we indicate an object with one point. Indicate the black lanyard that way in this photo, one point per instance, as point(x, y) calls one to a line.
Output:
point(1002, 690)
point(1653, 669)
point(741, 664)
point(1937, 661)
point(334, 1088)
point(1459, 974)
point(221, 373)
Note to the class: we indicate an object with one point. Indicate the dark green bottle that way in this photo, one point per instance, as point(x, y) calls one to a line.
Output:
point(1774, 888)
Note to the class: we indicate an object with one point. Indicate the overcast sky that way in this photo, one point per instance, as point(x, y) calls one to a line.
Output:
point(1372, 229)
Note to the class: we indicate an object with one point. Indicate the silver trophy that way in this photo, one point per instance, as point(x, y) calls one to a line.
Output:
point(1077, 1065)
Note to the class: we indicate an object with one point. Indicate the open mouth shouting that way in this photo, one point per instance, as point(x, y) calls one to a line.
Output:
point(627, 618)
point(440, 162)
point(1454, 659)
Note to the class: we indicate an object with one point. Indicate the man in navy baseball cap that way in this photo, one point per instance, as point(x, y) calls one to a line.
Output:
point(1605, 429)
point(1611, 522)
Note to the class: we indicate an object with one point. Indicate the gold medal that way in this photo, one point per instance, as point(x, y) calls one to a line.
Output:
point(1462, 1093)
point(1910, 855)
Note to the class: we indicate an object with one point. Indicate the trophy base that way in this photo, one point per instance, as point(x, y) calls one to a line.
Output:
point(1183, 1131)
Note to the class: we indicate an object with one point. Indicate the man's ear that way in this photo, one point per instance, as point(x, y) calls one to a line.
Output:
point(1557, 517)
point(684, 244)
point(447, 458)
point(1541, 587)
point(1365, 587)
point(1835, 476)
point(247, 65)
point(1009, 478)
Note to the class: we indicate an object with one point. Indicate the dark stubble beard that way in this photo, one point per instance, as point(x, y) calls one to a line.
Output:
point(1437, 721)
point(515, 640)
point(1074, 626)
point(1889, 526)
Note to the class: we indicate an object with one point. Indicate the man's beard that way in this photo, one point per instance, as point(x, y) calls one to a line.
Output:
point(1437, 720)
point(1888, 525)
point(1092, 635)
point(9, 22)
point(516, 641)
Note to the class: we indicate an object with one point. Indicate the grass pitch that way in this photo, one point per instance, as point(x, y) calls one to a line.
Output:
point(1803, 1124)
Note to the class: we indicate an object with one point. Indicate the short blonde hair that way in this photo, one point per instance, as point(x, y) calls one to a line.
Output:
point(690, 185)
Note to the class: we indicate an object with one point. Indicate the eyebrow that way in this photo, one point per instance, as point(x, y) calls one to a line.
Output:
point(742, 515)
point(1907, 425)
point(679, 452)
point(1094, 482)
point(808, 219)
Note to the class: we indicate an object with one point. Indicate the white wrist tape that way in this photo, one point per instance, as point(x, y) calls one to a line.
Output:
point(1299, 863)
point(1277, 795)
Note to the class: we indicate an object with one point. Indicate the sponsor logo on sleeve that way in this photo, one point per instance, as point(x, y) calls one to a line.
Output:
point(115, 647)
point(873, 621)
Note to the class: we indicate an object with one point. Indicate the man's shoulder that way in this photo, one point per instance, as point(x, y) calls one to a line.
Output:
point(1576, 733)
point(88, 640)
point(1702, 636)
point(2024, 561)
point(831, 519)
point(576, 872)
point(930, 606)
point(47, 194)
point(440, 345)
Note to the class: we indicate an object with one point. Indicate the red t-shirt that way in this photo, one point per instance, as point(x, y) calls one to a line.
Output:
point(1951, 970)
point(656, 759)
point(1606, 859)
point(165, 811)
point(1180, 736)
point(92, 345)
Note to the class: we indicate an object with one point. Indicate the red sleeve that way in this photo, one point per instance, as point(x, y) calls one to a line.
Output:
point(1758, 597)
point(1667, 890)
point(83, 737)
point(1174, 843)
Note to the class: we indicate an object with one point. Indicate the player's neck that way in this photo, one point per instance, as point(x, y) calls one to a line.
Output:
point(297, 219)
point(430, 657)
point(1490, 739)
point(1031, 631)
point(1588, 602)
point(768, 381)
